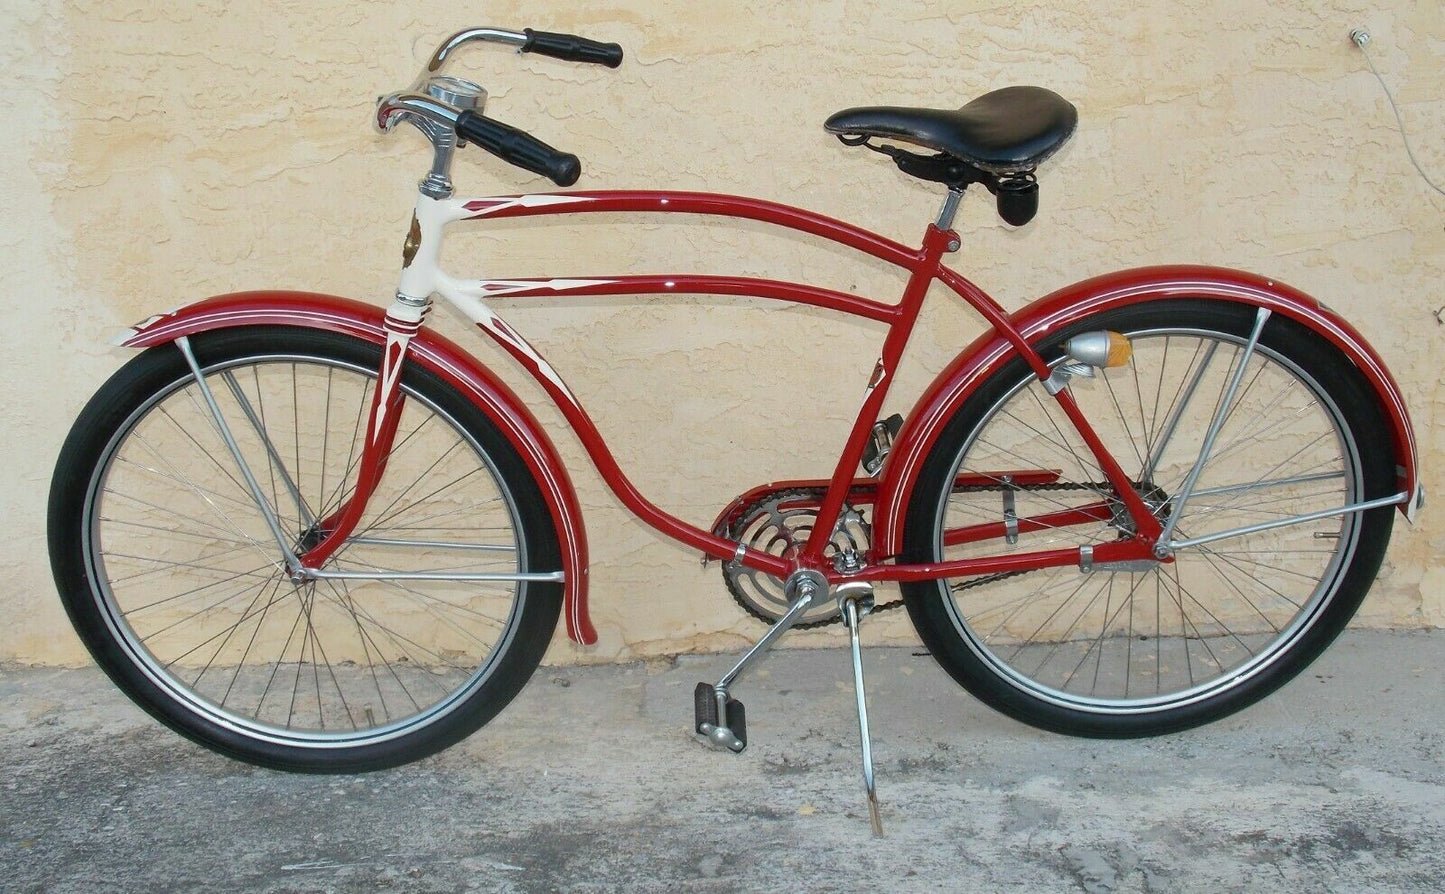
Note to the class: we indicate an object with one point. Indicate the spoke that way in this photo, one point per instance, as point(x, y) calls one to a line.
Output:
point(1159, 638)
point(325, 436)
point(251, 573)
point(1063, 440)
point(249, 541)
point(208, 538)
point(383, 517)
point(316, 646)
point(1020, 602)
point(1144, 424)
point(1203, 640)
point(1098, 647)
point(366, 646)
point(235, 528)
point(347, 485)
point(417, 524)
point(1098, 641)
point(1044, 623)
point(1158, 393)
point(183, 482)
point(1234, 563)
point(241, 663)
point(1176, 406)
point(360, 615)
point(1123, 420)
point(329, 503)
point(273, 459)
point(402, 642)
point(1064, 637)
point(210, 639)
point(166, 565)
point(245, 614)
point(1251, 434)
point(1241, 594)
point(208, 454)
point(276, 668)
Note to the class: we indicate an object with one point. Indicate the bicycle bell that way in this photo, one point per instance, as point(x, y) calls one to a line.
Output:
point(462, 94)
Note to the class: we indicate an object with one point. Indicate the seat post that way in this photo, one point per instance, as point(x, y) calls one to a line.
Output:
point(950, 207)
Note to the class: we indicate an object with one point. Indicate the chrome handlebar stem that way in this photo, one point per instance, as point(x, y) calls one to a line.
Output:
point(392, 107)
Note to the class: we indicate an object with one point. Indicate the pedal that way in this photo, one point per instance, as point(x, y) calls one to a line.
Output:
point(876, 450)
point(729, 731)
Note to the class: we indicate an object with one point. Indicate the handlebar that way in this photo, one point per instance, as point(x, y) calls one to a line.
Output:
point(519, 148)
point(436, 117)
point(572, 48)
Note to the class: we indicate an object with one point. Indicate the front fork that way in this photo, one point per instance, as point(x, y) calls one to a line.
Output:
point(403, 321)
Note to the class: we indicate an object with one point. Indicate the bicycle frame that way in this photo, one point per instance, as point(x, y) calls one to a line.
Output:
point(422, 276)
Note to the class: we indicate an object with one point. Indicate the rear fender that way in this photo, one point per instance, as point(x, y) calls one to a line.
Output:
point(990, 351)
point(436, 353)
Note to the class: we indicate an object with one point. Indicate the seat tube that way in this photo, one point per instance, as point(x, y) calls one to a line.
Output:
point(939, 239)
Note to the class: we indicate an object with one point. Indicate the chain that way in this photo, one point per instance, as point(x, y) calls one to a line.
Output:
point(1102, 488)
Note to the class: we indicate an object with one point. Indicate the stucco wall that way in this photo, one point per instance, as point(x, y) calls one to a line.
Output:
point(160, 153)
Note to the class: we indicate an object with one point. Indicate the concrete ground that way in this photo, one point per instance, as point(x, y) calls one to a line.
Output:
point(591, 781)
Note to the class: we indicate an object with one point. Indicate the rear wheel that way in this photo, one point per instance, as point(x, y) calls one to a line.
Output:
point(1130, 653)
point(175, 583)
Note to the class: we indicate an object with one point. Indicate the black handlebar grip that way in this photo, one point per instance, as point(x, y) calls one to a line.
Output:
point(519, 148)
point(572, 48)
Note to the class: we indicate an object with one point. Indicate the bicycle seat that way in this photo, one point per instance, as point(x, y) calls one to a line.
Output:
point(1004, 131)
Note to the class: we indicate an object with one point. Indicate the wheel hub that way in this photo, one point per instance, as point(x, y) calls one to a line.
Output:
point(1154, 497)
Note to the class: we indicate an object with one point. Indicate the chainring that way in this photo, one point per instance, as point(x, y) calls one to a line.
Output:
point(779, 524)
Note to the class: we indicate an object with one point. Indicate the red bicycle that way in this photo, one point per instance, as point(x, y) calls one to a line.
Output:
point(318, 536)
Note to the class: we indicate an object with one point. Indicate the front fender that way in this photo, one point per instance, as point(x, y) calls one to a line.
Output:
point(438, 354)
point(952, 387)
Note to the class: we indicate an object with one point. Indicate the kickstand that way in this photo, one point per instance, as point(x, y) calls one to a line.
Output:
point(855, 601)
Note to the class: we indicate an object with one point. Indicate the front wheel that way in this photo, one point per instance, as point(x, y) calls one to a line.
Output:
point(174, 579)
point(1142, 652)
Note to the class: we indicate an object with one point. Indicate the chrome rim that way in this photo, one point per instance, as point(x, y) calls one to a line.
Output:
point(189, 580)
point(1121, 642)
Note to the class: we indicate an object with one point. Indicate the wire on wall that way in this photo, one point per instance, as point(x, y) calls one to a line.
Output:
point(1361, 38)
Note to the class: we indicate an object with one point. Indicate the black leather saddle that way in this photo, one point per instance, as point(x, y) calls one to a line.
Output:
point(1002, 132)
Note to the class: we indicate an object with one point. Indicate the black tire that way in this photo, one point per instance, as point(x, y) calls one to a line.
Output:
point(1231, 614)
point(146, 499)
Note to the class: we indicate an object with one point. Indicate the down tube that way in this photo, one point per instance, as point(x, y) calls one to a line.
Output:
point(521, 350)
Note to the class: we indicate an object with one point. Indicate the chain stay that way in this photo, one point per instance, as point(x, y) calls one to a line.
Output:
point(1104, 489)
